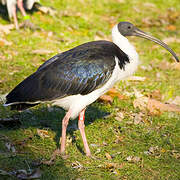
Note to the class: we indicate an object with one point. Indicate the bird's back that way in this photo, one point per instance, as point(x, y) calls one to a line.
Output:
point(77, 71)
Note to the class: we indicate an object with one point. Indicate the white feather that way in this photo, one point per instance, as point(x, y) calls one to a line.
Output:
point(123, 43)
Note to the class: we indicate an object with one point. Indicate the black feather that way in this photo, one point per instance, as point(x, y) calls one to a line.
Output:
point(77, 71)
point(22, 106)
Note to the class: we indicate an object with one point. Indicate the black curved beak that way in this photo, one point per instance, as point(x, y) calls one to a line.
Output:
point(138, 32)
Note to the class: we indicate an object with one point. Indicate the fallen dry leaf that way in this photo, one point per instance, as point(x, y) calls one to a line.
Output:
point(105, 98)
point(108, 97)
point(114, 165)
point(149, 22)
point(42, 133)
point(121, 1)
point(47, 10)
point(119, 116)
point(169, 19)
point(119, 139)
point(141, 103)
point(171, 27)
point(138, 118)
point(149, 5)
point(172, 15)
point(146, 68)
point(164, 65)
point(136, 78)
point(163, 150)
point(104, 143)
point(175, 66)
point(137, 93)
point(97, 38)
point(4, 42)
point(152, 150)
point(171, 40)
point(68, 140)
point(156, 94)
point(69, 12)
point(133, 159)
point(175, 154)
point(154, 107)
point(108, 156)
point(6, 28)
point(115, 93)
point(23, 142)
point(76, 165)
point(159, 75)
point(97, 151)
point(94, 145)
point(176, 100)
point(136, 9)
point(101, 36)
point(41, 51)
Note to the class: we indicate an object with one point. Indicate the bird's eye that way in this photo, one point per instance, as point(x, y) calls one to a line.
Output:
point(129, 27)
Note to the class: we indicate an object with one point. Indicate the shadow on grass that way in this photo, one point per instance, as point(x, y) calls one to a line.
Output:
point(13, 163)
point(43, 117)
point(4, 12)
point(51, 118)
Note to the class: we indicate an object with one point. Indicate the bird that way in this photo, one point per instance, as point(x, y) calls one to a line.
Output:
point(11, 7)
point(76, 78)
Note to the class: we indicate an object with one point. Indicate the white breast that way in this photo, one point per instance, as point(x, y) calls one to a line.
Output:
point(78, 102)
point(123, 43)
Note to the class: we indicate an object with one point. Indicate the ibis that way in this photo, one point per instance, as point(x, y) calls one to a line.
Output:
point(76, 78)
point(11, 7)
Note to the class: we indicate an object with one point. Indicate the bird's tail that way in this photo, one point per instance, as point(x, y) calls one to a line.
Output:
point(20, 106)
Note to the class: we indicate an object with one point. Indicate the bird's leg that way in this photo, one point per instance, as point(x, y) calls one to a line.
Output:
point(20, 6)
point(15, 17)
point(81, 128)
point(63, 140)
point(64, 127)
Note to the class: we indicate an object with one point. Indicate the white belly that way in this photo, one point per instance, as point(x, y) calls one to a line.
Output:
point(78, 102)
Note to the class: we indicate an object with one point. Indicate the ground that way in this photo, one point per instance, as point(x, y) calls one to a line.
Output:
point(127, 142)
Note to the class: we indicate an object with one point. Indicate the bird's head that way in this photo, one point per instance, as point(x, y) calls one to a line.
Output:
point(128, 29)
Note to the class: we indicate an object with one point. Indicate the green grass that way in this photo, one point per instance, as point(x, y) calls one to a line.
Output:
point(75, 23)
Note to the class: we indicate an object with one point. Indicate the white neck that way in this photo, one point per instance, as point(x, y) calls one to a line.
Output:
point(123, 43)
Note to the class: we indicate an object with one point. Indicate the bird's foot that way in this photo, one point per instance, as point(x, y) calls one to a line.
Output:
point(92, 157)
point(88, 154)
point(56, 153)
point(28, 24)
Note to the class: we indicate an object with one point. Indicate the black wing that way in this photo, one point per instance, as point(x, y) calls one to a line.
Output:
point(77, 71)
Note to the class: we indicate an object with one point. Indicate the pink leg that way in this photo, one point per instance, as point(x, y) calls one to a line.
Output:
point(64, 127)
point(15, 17)
point(81, 128)
point(20, 6)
